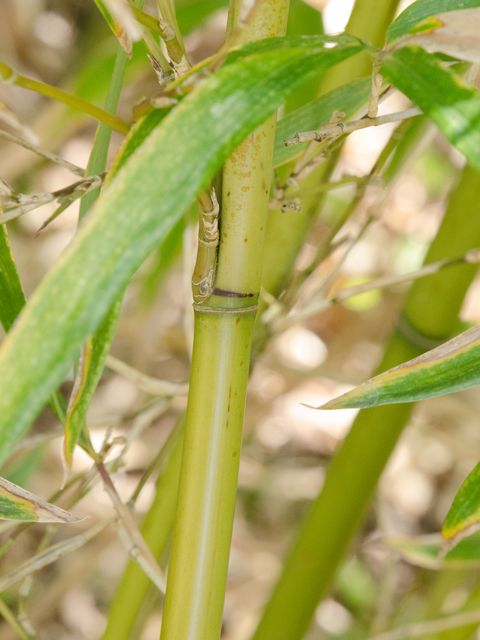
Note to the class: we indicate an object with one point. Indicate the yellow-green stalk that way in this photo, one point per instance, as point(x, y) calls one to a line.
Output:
point(220, 365)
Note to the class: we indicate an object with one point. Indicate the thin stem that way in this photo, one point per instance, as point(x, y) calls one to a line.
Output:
point(130, 535)
point(430, 627)
point(19, 204)
point(9, 76)
point(173, 38)
point(48, 155)
point(146, 383)
point(312, 307)
point(156, 531)
point(9, 616)
point(315, 191)
point(333, 130)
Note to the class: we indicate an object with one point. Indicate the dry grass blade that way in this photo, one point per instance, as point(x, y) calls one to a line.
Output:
point(48, 155)
point(51, 555)
point(130, 535)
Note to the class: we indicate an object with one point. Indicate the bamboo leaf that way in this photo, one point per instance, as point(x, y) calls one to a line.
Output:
point(88, 376)
point(453, 366)
point(12, 297)
point(425, 551)
point(18, 504)
point(97, 347)
point(349, 98)
point(142, 204)
point(443, 96)
point(408, 21)
point(455, 33)
point(463, 518)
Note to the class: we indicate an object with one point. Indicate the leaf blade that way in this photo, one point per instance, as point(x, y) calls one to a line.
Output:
point(444, 97)
point(421, 10)
point(19, 504)
point(453, 366)
point(463, 517)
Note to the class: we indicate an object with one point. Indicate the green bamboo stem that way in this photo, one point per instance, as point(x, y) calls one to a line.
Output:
point(369, 20)
point(220, 366)
point(156, 531)
point(9, 76)
point(355, 470)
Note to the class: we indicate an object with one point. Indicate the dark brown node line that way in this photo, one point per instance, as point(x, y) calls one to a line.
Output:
point(231, 294)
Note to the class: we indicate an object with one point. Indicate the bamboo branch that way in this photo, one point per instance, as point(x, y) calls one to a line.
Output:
point(151, 385)
point(333, 130)
point(173, 38)
point(130, 535)
point(430, 627)
point(48, 155)
point(19, 204)
point(9, 617)
point(312, 307)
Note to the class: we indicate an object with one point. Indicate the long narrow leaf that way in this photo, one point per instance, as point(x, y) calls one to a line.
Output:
point(18, 504)
point(142, 204)
point(453, 366)
point(12, 297)
point(444, 97)
point(97, 347)
point(463, 518)
point(422, 9)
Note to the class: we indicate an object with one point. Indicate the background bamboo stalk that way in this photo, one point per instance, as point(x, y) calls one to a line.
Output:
point(360, 24)
point(220, 366)
point(355, 470)
point(156, 531)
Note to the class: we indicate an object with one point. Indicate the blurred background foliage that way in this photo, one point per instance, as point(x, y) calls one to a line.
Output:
point(287, 447)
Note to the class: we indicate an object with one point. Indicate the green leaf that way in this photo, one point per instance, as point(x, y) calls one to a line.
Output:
point(97, 347)
point(12, 297)
point(425, 551)
point(417, 12)
point(463, 518)
point(141, 205)
point(88, 376)
point(453, 366)
point(18, 504)
point(445, 98)
point(349, 98)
